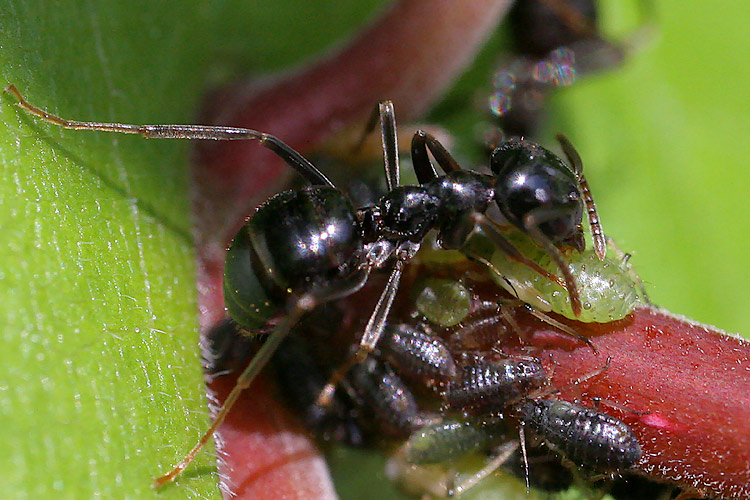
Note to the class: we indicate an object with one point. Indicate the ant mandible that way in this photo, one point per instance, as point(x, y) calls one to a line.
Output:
point(302, 248)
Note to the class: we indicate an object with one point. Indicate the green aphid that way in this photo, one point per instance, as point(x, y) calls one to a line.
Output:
point(443, 302)
point(451, 440)
point(609, 289)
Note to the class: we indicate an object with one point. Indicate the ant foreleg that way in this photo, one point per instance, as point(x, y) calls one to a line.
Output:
point(492, 231)
point(370, 337)
point(531, 223)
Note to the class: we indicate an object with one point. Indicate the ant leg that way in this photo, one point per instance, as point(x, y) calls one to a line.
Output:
point(370, 337)
point(385, 114)
point(552, 322)
point(200, 132)
point(531, 223)
point(423, 141)
point(597, 233)
point(302, 305)
point(493, 233)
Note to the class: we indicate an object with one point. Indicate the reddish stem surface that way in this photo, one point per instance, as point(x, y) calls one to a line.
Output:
point(409, 55)
point(690, 381)
point(693, 380)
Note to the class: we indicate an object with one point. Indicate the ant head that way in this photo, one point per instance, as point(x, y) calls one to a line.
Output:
point(534, 187)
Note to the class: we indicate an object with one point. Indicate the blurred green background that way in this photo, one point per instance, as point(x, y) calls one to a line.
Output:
point(100, 384)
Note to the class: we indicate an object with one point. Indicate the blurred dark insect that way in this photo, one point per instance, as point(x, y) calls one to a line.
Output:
point(554, 42)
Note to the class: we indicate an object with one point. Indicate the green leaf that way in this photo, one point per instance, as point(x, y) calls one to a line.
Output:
point(100, 380)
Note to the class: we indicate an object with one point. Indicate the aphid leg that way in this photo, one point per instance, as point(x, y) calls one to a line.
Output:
point(531, 223)
point(370, 337)
point(582, 379)
point(198, 132)
point(560, 326)
point(385, 114)
point(492, 231)
point(597, 233)
point(625, 258)
point(501, 455)
point(513, 324)
point(301, 306)
point(601, 401)
point(423, 141)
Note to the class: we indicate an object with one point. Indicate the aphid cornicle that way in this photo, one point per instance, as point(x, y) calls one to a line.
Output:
point(305, 247)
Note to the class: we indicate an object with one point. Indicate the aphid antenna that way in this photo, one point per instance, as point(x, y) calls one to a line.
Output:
point(524, 455)
point(578, 381)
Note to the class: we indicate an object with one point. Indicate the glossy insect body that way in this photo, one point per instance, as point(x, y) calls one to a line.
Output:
point(418, 356)
point(306, 247)
point(484, 386)
point(587, 437)
point(299, 242)
point(533, 180)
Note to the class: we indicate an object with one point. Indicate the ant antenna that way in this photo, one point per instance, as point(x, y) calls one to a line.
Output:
point(597, 233)
point(200, 132)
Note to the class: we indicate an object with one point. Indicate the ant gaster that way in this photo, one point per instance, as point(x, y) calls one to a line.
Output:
point(302, 248)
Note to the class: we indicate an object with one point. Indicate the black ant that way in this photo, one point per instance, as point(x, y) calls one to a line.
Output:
point(302, 248)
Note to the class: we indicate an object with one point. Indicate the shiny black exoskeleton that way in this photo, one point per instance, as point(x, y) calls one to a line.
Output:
point(309, 246)
point(490, 387)
point(588, 438)
point(533, 182)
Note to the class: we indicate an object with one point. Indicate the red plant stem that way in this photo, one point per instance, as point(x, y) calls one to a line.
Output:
point(409, 55)
point(684, 389)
